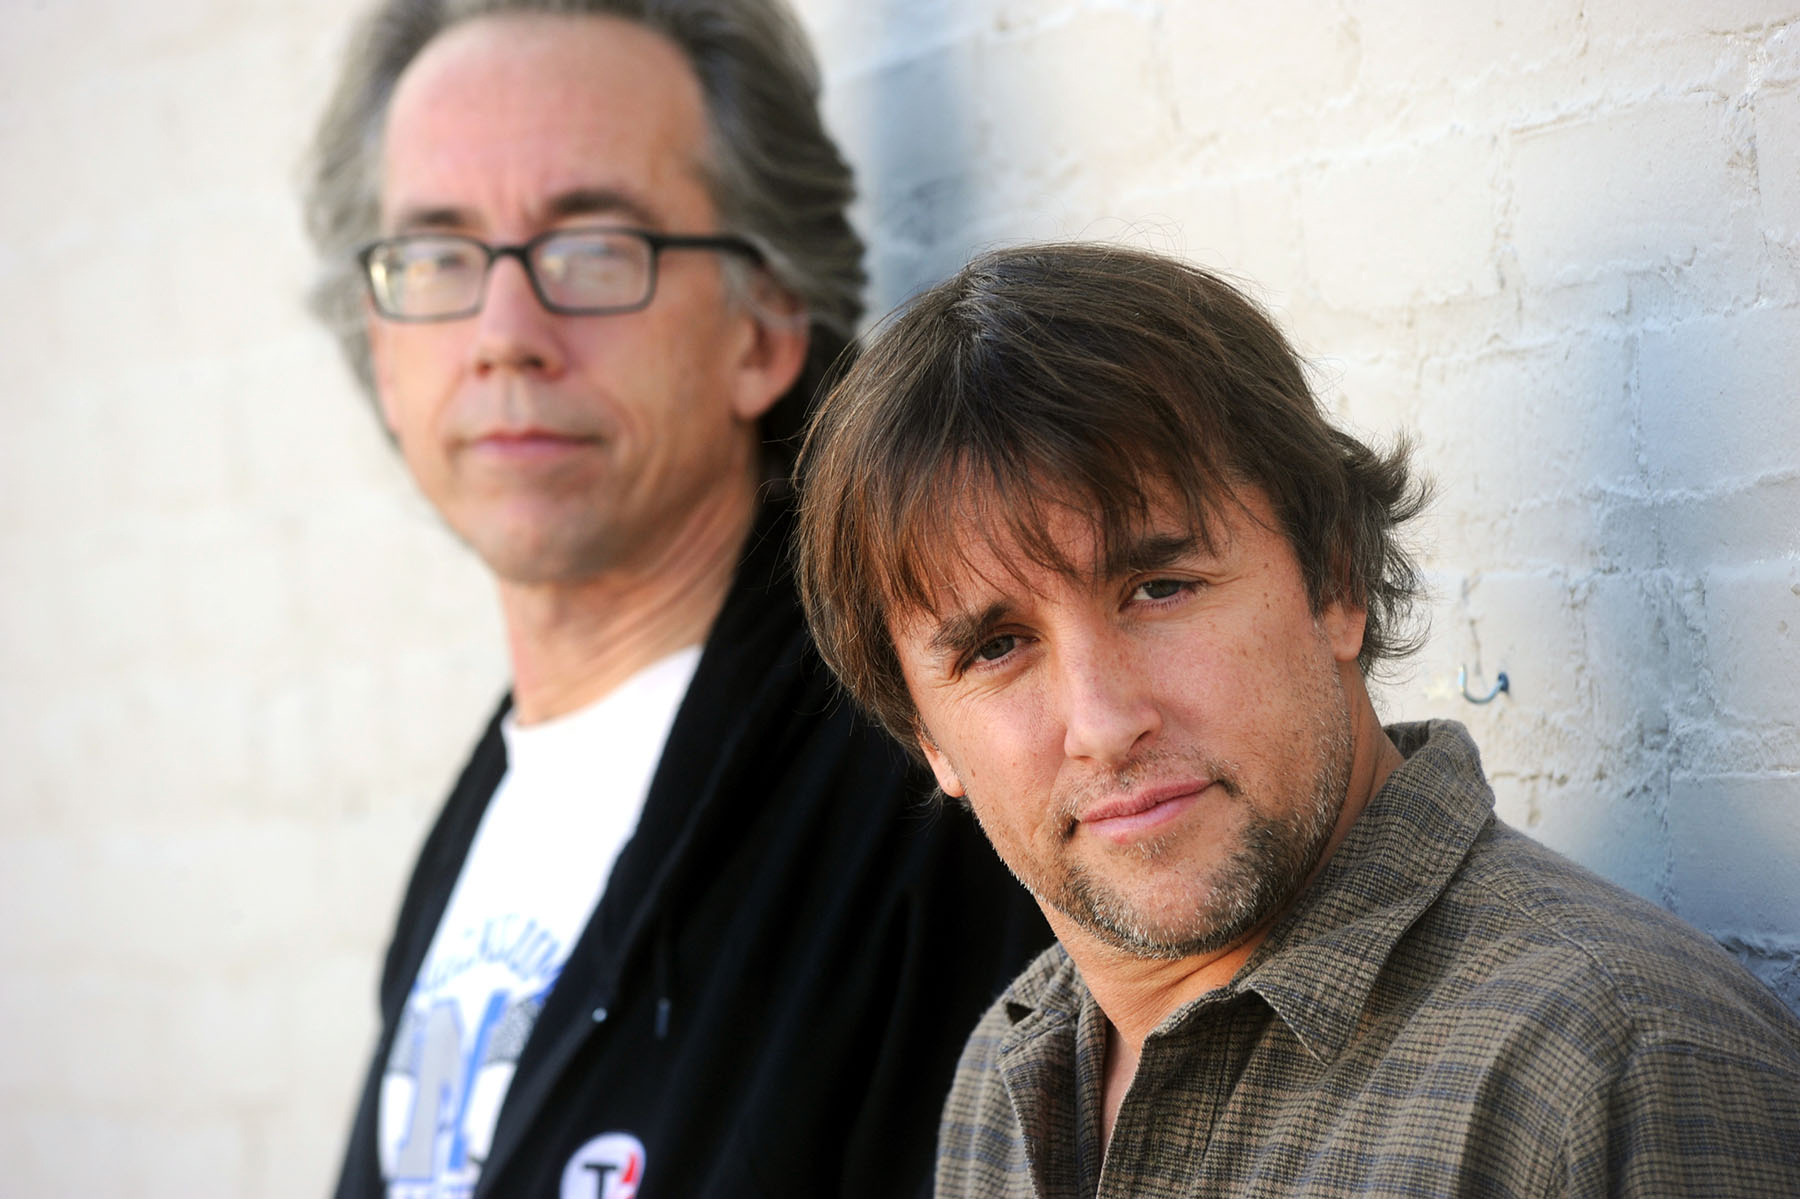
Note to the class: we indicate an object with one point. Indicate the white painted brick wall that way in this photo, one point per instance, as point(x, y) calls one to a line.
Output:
point(238, 662)
point(1558, 243)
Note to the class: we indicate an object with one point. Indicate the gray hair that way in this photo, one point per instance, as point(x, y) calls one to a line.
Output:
point(774, 173)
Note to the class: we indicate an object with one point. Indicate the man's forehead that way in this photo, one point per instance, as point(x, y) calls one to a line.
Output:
point(549, 117)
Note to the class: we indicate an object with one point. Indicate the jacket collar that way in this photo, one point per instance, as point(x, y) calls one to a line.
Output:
point(754, 651)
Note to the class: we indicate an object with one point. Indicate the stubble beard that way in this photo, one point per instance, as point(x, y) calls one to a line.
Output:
point(1269, 865)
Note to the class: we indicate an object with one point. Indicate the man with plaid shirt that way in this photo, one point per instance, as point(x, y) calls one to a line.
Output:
point(1077, 531)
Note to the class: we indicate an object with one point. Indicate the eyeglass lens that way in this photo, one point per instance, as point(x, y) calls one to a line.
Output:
point(441, 275)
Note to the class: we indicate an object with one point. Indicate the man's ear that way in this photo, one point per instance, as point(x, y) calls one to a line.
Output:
point(774, 350)
point(940, 766)
point(1343, 623)
point(1344, 618)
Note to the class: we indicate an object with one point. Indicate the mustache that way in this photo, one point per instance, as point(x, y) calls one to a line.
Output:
point(513, 405)
point(1069, 799)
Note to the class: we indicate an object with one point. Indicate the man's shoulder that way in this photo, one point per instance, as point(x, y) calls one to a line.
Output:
point(1512, 933)
point(1549, 940)
point(1553, 1025)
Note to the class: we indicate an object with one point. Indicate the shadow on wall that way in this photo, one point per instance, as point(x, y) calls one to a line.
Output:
point(1721, 442)
point(1629, 478)
point(908, 110)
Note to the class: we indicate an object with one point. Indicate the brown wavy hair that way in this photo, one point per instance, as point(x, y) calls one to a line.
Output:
point(1095, 377)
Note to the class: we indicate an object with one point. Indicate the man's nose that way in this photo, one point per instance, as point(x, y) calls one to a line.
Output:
point(515, 330)
point(1108, 703)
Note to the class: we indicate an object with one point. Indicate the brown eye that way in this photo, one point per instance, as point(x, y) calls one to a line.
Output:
point(995, 648)
point(1157, 589)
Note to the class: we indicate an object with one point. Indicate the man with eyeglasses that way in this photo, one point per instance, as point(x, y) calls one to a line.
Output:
point(682, 928)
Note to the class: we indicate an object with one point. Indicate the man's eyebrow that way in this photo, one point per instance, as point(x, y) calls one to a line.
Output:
point(600, 201)
point(576, 202)
point(432, 217)
point(959, 631)
point(1155, 551)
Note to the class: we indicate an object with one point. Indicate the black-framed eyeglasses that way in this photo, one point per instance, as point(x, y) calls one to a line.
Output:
point(574, 272)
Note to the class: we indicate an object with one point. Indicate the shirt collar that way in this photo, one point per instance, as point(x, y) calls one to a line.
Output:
point(1319, 964)
point(1050, 985)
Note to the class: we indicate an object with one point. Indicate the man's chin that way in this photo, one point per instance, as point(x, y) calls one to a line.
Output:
point(1170, 943)
point(522, 560)
point(1150, 926)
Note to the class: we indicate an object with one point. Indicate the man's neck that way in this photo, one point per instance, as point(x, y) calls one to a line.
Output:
point(573, 642)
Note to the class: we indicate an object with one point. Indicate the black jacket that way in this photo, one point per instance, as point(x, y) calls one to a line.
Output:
point(789, 954)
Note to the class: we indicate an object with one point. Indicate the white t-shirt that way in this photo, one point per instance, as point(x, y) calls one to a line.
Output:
point(573, 790)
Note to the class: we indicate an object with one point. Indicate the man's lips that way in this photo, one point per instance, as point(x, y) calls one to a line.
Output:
point(1124, 817)
point(528, 443)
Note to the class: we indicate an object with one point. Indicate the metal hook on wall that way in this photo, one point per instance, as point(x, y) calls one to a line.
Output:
point(1462, 683)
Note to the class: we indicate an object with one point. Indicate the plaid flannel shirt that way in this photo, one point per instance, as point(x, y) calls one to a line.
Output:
point(1450, 1009)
